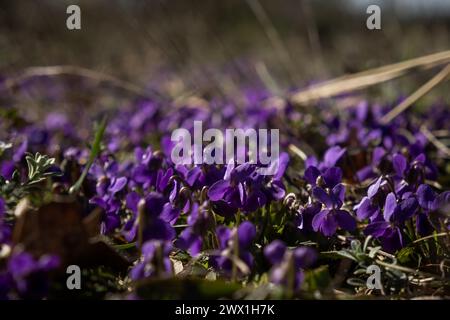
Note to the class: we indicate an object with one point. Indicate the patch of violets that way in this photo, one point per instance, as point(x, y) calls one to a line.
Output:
point(171, 208)
point(325, 210)
point(242, 188)
point(25, 276)
point(389, 211)
point(399, 169)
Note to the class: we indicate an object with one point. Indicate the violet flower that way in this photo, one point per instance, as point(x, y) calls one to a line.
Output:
point(288, 264)
point(244, 188)
point(106, 198)
point(158, 217)
point(235, 245)
point(27, 275)
point(199, 222)
point(332, 216)
point(155, 261)
point(389, 229)
point(145, 173)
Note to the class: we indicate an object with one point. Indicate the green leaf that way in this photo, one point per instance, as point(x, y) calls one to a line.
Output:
point(38, 166)
point(405, 254)
point(355, 245)
point(338, 255)
point(356, 282)
point(373, 252)
point(95, 150)
point(317, 279)
point(366, 243)
point(347, 254)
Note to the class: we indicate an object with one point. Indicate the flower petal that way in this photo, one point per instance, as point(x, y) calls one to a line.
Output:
point(365, 209)
point(304, 257)
point(399, 163)
point(406, 210)
point(274, 252)
point(373, 189)
point(345, 220)
point(389, 206)
point(169, 213)
point(218, 190)
point(318, 219)
point(323, 197)
point(311, 174)
point(246, 234)
point(118, 185)
point(333, 155)
point(332, 176)
point(427, 197)
point(329, 225)
point(339, 193)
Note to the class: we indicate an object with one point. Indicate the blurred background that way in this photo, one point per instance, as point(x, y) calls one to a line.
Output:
point(186, 45)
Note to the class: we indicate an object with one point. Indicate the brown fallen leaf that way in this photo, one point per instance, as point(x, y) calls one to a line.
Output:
point(58, 228)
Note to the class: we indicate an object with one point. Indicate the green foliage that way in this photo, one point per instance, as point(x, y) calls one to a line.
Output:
point(317, 279)
point(19, 187)
point(95, 150)
point(38, 166)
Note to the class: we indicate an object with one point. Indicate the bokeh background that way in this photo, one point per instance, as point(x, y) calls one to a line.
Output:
point(181, 46)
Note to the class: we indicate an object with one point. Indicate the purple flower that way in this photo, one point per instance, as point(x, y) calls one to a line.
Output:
point(107, 190)
point(158, 217)
point(331, 157)
point(429, 201)
point(389, 229)
point(20, 152)
point(155, 261)
point(288, 264)
point(199, 222)
point(200, 175)
point(427, 197)
point(370, 171)
point(8, 166)
point(231, 191)
point(234, 245)
point(367, 209)
point(330, 176)
point(305, 216)
point(7, 169)
point(147, 169)
point(369, 205)
point(242, 187)
point(29, 276)
point(332, 216)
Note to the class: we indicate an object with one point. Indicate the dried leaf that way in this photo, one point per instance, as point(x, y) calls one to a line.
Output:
point(58, 228)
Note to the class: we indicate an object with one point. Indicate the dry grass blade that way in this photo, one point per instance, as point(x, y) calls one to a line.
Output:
point(423, 90)
point(431, 236)
point(15, 81)
point(272, 35)
point(438, 144)
point(299, 152)
point(367, 78)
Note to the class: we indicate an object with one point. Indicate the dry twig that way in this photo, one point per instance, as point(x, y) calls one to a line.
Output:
point(423, 90)
point(367, 78)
